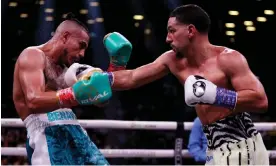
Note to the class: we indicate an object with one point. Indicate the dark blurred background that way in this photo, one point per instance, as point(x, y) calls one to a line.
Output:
point(247, 26)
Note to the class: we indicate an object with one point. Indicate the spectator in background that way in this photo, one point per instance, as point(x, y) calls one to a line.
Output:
point(197, 143)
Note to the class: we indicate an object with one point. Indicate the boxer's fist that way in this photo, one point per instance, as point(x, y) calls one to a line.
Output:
point(95, 90)
point(199, 90)
point(78, 72)
point(119, 49)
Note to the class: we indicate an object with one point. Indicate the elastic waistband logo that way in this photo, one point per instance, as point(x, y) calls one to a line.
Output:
point(53, 116)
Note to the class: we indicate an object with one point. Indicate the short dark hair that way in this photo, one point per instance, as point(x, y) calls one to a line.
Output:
point(192, 14)
point(70, 16)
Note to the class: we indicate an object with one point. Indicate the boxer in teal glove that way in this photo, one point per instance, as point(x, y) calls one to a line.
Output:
point(43, 99)
point(217, 81)
point(119, 49)
point(95, 90)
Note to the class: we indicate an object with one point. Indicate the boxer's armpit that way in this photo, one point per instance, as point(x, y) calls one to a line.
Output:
point(31, 64)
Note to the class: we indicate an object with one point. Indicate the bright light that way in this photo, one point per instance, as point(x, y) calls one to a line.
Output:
point(94, 3)
point(90, 21)
point(49, 10)
point(138, 17)
point(13, 4)
point(99, 19)
point(261, 19)
point(229, 25)
point(49, 18)
point(83, 11)
point(269, 12)
point(250, 28)
point(248, 23)
point(233, 13)
point(23, 15)
point(230, 33)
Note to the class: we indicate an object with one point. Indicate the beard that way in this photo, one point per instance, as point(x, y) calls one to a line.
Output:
point(179, 55)
point(64, 59)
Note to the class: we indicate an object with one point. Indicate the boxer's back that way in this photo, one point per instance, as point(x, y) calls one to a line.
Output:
point(53, 81)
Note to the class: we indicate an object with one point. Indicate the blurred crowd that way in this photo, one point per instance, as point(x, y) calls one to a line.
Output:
point(165, 104)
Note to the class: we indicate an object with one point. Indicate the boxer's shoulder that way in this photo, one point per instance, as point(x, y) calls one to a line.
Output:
point(167, 56)
point(164, 59)
point(226, 53)
point(32, 51)
point(31, 55)
point(168, 53)
point(229, 58)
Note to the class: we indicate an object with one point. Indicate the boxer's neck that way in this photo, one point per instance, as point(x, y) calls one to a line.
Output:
point(52, 52)
point(198, 51)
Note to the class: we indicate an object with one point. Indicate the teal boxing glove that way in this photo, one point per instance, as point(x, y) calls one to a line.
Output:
point(119, 49)
point(94, 90)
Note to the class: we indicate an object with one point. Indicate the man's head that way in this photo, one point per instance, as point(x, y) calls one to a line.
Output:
point(72, 38)
point(185, 23)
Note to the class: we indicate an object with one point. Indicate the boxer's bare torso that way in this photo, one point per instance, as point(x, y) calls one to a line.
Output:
point(211, 70)
point(220, 125)
point(53, 79)
point(224, 67)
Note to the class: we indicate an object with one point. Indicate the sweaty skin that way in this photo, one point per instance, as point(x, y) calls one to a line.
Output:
point(225, 67)
point(39, 70)
point(29, 90)
point(193, 54)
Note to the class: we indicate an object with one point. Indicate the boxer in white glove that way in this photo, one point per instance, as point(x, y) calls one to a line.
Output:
point(78, 72)
point(199, 90)
point(223, 101)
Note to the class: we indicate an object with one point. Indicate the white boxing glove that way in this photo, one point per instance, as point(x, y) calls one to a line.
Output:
point(78, 72)
point(199, 90)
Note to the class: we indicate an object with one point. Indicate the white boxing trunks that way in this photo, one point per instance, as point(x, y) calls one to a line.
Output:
point(56, 138)
point(250, 151)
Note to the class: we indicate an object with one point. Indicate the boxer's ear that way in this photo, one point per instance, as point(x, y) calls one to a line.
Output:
point(191, 30)
point(65, 36)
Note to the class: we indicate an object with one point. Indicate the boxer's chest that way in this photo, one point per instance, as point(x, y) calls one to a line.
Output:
point(211, 71)
point(54, 77)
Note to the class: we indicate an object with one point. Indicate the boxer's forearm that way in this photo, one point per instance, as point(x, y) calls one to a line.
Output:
point(127, 79)
point(251, 101)
point(43, 102)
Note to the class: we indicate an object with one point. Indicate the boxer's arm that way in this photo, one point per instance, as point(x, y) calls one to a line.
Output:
point(128, 79)
point(31, 64)
point(251, 93)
